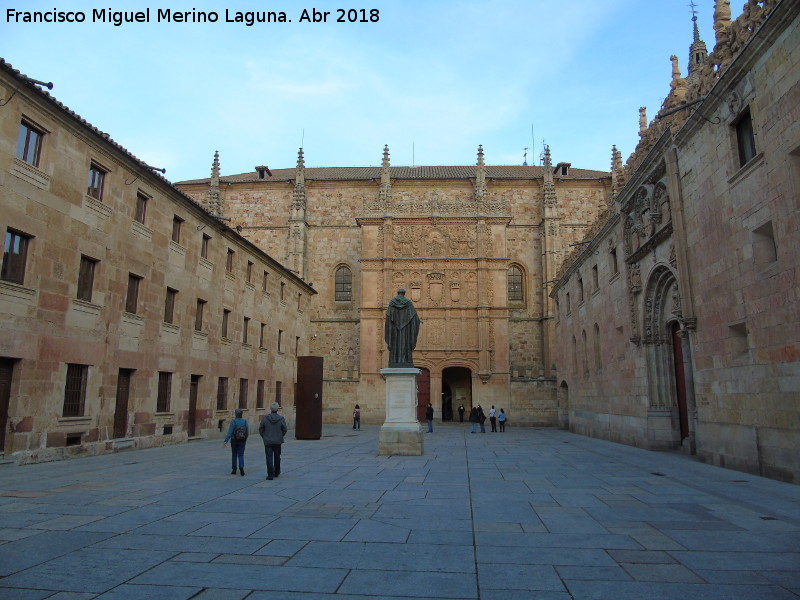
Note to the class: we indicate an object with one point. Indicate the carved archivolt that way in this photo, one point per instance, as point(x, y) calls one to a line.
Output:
point(662, 300)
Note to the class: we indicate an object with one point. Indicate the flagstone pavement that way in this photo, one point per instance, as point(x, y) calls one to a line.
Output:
point(527, 514)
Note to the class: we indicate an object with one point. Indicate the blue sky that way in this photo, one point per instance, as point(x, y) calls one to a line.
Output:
point(432, 79)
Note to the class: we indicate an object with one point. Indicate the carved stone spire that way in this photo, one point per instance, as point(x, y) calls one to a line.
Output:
point(698, 52)
point(298, 227)
point(617, 173)
point(214, 198)
point(385, 190)
point(300, 180)
point(642, 120)
point(678, 84)
point(480, 176)
point(549, 187)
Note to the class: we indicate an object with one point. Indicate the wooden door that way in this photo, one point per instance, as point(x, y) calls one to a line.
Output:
point(6, 371)
point(423, 393)
point(121, 408)
point(192, 424)
point(680, 380)
point(308, 398)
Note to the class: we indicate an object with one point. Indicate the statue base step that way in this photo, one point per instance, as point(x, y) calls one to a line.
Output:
point(400, 439)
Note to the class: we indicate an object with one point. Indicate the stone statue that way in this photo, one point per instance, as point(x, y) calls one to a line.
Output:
point(401, 330)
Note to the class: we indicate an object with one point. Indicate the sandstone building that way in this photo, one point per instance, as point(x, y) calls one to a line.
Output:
point(679, 318)
point(131, 316)
point(474, 246)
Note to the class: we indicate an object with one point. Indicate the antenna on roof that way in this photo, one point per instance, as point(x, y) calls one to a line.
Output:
point(544, 149)
point(303, 137)
point(412, 154)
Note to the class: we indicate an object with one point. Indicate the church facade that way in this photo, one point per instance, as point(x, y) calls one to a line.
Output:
point(679, 317)
point(473, 246)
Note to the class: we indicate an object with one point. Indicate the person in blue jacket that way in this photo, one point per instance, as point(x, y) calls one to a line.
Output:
point(237, 435)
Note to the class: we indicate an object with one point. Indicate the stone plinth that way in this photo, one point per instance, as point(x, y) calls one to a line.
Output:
point(400, 433)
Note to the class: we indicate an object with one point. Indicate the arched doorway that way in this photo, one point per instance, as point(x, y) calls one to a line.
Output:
point(456, 390)
point(680, 379)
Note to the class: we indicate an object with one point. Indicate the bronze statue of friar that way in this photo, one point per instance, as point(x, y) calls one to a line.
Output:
point(401, 330)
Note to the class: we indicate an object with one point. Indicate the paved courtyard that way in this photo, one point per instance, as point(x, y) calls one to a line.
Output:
point(528, 514)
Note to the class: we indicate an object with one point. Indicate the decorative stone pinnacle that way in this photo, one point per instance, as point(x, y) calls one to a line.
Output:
point(215, 166)
point(480, 155)
point(722, 16)
point(642, 119)
point(385, 162)
point(548, 163)
point(385, 189)
point(480, 176)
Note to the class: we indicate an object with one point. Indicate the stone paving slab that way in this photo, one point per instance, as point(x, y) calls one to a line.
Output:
point(533, 514)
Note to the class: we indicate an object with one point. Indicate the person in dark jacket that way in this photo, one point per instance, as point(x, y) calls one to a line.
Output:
point(237, 441)
point(272, 429)
point(429, 417)
point(481, 418)
point(473, 418)
point(461, 411)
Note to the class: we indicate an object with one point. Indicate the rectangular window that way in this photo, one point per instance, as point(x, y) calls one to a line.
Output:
point(745, 139)
point(245, 330)
point(132, 298)
point(243, 383)
point(299, 302)
point(249, 272)
point(176, 229)
point(262, 335)
point(580, 289)
point(280, 340)
point(765, 252)
point(260, 393)
point(15, 255)
point(229, 261)
point(75, 390)
point(222, 393)
point(595, 278)
point(86, 278)
point(225, 317)
point(278, 386)
point(283, 291)
point(198, 315)
point(97, 177)
point(264, 282)
point(164, 392)
point(141, 207)
point(614, 264)
point(297, 346)
point(169, 305)
point(29, 143)
point(204, 246)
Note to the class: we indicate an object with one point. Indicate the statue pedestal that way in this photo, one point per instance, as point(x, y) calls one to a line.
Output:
point(401, 433)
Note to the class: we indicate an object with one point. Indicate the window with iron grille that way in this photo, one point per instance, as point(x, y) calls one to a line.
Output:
point(222, 393)
point(75, 390)
point(246, 330)
point(15, 255)
point(745, 138)
point(225, 317)
point(515, 288)
point(249, 272)
point(344, 285)
point(278, 389)
point(229, 261)
point(164, 391)
point(204, 246)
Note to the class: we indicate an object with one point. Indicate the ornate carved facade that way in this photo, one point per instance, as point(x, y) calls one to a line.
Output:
point(449, 236)
point(678, 343)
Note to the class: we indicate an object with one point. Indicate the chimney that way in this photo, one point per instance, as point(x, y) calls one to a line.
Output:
point(263, 169)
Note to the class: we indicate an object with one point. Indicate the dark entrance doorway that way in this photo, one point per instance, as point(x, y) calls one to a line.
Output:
point(423, 393)
point(193, 387)
point(457, 384)
point(121, 408)
point(6, 371)
point(680, 379)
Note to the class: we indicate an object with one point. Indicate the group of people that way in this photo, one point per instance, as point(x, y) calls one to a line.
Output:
point(478, 417)
point(272, 429)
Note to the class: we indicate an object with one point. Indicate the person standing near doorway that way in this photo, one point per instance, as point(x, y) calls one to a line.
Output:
point(461, 411)
point(429, 417)
point(493, 419)
point(473, 418)
point(272, 429)
point(357, 417)
point(238, 433)
point(481, 418)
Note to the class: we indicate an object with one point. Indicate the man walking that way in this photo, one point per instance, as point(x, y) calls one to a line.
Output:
point(272, 429)
point(429, 417)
